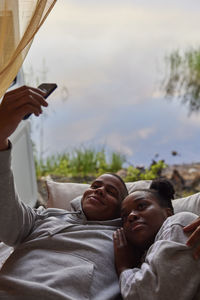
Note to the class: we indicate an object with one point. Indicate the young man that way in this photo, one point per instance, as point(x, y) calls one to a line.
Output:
point(152, 258)
point(57, 254)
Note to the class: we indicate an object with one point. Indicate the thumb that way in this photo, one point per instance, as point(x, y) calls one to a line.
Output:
point(192, 226)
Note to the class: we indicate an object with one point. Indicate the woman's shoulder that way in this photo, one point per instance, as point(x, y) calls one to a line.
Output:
point(182, 218)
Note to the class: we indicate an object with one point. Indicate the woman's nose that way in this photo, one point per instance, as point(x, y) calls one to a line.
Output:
point(133, 216)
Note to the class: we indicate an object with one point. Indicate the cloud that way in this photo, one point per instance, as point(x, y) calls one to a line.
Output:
point(193, 120)
point(72, 135)
point(127, 143)
point(106, 53)
point(144, 133)
point(99, 49)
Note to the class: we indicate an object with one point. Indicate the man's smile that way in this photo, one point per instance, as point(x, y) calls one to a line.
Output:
point(95, 198)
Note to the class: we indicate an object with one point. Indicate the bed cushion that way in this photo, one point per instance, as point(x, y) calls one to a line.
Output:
point(60, 195)
point(190, 203)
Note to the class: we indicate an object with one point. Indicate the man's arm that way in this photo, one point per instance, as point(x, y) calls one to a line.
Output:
point(16, 219)
point(168, 271)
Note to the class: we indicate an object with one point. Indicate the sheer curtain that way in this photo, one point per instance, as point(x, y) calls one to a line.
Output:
point(19, 22)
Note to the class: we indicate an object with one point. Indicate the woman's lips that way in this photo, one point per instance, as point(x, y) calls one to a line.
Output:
point(137, 226)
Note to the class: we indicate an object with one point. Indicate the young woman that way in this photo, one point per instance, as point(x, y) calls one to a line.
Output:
point(152, 259)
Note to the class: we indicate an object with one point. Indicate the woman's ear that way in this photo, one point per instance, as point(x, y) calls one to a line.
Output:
point(168, 211)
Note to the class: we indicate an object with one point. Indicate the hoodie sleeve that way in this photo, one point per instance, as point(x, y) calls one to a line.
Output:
point(16, 219)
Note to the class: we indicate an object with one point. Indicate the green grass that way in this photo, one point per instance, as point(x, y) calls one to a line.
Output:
point(79, 163)
point(86, 163)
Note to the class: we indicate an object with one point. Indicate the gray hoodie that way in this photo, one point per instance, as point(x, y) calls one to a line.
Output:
point(58, 254)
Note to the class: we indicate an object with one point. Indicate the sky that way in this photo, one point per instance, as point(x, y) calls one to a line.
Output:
point(107, 58)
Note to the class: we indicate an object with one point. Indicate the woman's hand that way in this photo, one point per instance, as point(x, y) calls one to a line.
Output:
point(125, 256)
point(14, 106)
point(194, 239)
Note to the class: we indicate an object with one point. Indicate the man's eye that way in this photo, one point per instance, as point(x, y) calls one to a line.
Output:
point(94, 186)
point(112, 193)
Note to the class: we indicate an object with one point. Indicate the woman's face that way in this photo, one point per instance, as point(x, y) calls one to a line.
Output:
point(142, 218)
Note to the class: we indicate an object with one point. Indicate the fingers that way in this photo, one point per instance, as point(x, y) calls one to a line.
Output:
point(192, 226)
point(22, 95)
point(196, 253)
point(119, 238)
point(28, 109)
point(24, 100)
point(124, 241)
point(25, 88)
point(194, 237)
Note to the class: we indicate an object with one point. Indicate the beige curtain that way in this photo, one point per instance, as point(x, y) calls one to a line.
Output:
point(19, 22)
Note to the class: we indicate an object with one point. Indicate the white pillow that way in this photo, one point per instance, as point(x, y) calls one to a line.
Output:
point(60, 195)
point(190, 203)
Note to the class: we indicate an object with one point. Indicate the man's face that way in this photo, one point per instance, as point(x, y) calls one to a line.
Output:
point(102, 200)
point(142, 218)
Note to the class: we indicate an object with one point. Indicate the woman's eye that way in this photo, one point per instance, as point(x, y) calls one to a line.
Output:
point(142, 206)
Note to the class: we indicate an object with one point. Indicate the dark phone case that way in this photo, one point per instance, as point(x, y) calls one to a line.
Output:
point(46, 87)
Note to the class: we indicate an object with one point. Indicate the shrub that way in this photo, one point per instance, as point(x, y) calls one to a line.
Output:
point(80, 163)
point(154, 171)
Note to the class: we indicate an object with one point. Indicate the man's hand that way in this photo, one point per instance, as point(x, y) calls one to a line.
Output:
point(125, 256)
point(194, 239)
point(14, 106)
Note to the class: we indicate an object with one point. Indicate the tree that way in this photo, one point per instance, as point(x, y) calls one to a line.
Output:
point(183, 77)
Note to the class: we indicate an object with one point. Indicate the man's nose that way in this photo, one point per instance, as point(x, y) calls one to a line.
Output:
point(100, 190)
point(134, 215)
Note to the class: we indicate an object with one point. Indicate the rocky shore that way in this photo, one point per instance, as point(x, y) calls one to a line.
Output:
point(185, 178)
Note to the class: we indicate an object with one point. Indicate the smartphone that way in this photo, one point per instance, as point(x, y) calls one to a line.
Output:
point(46, 87)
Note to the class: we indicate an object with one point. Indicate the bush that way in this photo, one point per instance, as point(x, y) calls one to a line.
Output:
point(153, 172)
point(80, 163)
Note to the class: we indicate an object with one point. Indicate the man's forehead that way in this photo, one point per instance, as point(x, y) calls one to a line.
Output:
point(109, 179)
point(114, 181)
